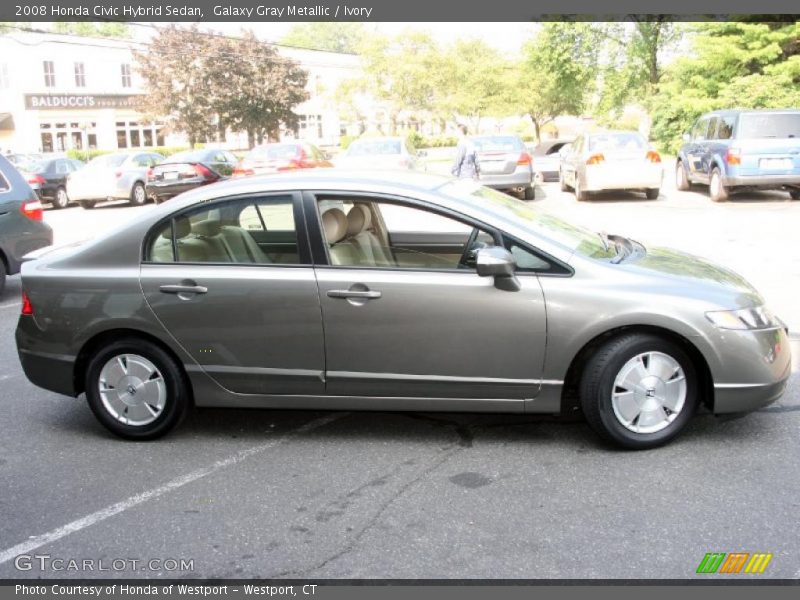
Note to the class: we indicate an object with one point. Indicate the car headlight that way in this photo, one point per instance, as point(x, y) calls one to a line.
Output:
point(758, 317)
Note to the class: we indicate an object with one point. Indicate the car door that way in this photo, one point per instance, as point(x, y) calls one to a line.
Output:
point(250, 320)
point(418, 322)
point(696, 150)
point(709, 146)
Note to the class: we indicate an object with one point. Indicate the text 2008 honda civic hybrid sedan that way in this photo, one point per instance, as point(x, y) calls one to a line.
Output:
point(391, 292)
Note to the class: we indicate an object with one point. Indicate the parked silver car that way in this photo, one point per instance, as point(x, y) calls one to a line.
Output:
point(121, 175)
point(504, 164)
point(376, 153)
point(611, 160)
point(391, 291)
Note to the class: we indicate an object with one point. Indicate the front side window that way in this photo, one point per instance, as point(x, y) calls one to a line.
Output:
point(365, 232)
point(700, 130)
point(260, 231)
point(49, 73)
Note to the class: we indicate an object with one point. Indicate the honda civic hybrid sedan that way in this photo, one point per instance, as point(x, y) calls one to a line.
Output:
point(391, 291)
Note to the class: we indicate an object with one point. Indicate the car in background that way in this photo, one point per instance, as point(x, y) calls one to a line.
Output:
point(19, 159)
point(732, 150)
point(505, 164)
point(378, 153)
point(22, 229)
point(546, 159)
point(611, 160)
point(48, 178)
point(281, 157)
point(187, 170)
point(120, 175)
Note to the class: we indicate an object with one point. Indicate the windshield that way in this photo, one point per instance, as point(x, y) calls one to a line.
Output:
point(582, 241)
point(499, 143)
point(107, 160)
point(769, 125)
point(372, 147)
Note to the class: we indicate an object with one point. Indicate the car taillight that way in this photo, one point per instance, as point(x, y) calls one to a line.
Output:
point(203, 171)
point(27, 307)
point(36, 180)
point(240, 171)
point(524, 159)
point(733, 156)
point(653, 156)
point(290, 165)
point(595, 159)
point(151, 176)
point(32, 209)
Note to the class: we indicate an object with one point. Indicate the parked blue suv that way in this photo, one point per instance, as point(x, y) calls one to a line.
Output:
point(731, 150)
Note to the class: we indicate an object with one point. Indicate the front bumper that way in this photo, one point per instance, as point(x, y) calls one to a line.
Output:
point(754, 370)
point(762, 180)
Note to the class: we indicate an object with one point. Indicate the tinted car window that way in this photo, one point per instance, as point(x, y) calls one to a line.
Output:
point(712, 128)
point(700, 129)
point(769, 125)
point(725, 129)
point(62, 167)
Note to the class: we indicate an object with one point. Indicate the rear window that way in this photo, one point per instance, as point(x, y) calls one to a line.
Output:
point(189, 155)
point(546, 149)
point(372, 147)
point(774, 125)
point(616, 142)
point(275, 151)
point(499, 143)
point(108, 160)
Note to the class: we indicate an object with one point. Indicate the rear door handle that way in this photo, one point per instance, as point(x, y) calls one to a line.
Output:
point(366, 295)
point(183, 289)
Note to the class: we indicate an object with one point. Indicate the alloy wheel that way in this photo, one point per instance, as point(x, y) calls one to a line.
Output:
point(132, 389)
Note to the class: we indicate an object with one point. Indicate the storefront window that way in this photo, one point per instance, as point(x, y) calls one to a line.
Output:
point(133, 134)
point(80, 75)
point(59, 137)
point(49, 73)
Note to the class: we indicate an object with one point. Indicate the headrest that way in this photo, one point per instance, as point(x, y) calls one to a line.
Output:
point(358, 219)
point(182, 227)
point(207, 228)
point(335, 224)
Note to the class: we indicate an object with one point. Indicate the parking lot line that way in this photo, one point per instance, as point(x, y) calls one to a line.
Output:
point(101, 515)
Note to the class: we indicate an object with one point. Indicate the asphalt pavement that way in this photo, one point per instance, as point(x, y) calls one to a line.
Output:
point(312, 495)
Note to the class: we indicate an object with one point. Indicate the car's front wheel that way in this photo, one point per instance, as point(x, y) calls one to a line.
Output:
point(681, 179)
point(136, 389)
point(639, 390)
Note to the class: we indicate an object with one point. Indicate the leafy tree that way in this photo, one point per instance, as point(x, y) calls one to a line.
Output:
point(733, 64)
point(558, 72)
point(91, 29)
point(326, 35)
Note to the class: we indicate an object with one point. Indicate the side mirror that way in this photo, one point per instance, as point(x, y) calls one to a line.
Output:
point(498, 262)
point(686, 137)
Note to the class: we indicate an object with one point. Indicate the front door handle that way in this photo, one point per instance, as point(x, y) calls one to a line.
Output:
point(183, 289)
point(359, 294)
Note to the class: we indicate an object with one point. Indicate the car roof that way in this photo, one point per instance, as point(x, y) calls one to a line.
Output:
point(740, 111)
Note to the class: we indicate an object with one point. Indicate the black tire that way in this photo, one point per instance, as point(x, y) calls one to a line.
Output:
point(178, 393)
point(652, 193)
point(60, 200)
point(561, 183)
point(598, 379)
point(716, 188)
point(530, 193)
point(795, 194)
point(2, 275)
point(138, 194)
point(88, 204)
point(580, 195)
point(681, 179)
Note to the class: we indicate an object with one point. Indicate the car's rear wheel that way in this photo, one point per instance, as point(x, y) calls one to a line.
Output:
point(561, 183)
point(138, 194)
point(681, 179)
point(136, 389)
point(639, 391)
point(530, 193)
point(2, 275)
point(61, 199)
point(652, 193)
point(88, 204)
point(795, 194)
point(580, 195)
point(716, 188)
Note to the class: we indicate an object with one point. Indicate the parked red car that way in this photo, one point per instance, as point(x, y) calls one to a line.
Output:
point(284, 156)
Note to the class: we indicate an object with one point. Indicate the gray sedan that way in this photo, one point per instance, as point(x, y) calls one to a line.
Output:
point(391, 291)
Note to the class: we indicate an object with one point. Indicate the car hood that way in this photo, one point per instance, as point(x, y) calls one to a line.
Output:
point(695, 276)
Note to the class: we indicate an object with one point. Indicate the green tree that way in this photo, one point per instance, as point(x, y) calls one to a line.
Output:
point(326, 35)
point(558, 72)
point(732, 64)
point(92, 29)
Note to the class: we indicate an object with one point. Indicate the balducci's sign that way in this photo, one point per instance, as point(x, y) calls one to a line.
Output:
point(80, 101)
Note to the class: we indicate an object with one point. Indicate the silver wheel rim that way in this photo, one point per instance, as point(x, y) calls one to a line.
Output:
point(138, 194)
point(649, 392)
point(132, 389)
point(62, 198)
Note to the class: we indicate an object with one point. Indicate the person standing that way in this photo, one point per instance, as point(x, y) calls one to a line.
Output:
point(465, 165)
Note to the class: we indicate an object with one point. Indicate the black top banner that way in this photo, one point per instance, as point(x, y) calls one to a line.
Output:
point(390, 10)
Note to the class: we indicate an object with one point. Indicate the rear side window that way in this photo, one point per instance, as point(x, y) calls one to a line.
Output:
point(769, 125)
point(725, 129)
point(260, 231)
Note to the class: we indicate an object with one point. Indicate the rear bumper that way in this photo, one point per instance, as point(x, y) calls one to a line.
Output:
point(507, 181)
point(762, 180)
point(624, 177)
point(43, 367)
point(170, 189)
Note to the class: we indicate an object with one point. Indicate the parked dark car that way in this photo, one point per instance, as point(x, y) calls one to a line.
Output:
point(22, 229)
point(187, 170)
point(281, 157)
point(547, 160)
point(48, 178)
point(732, 150)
